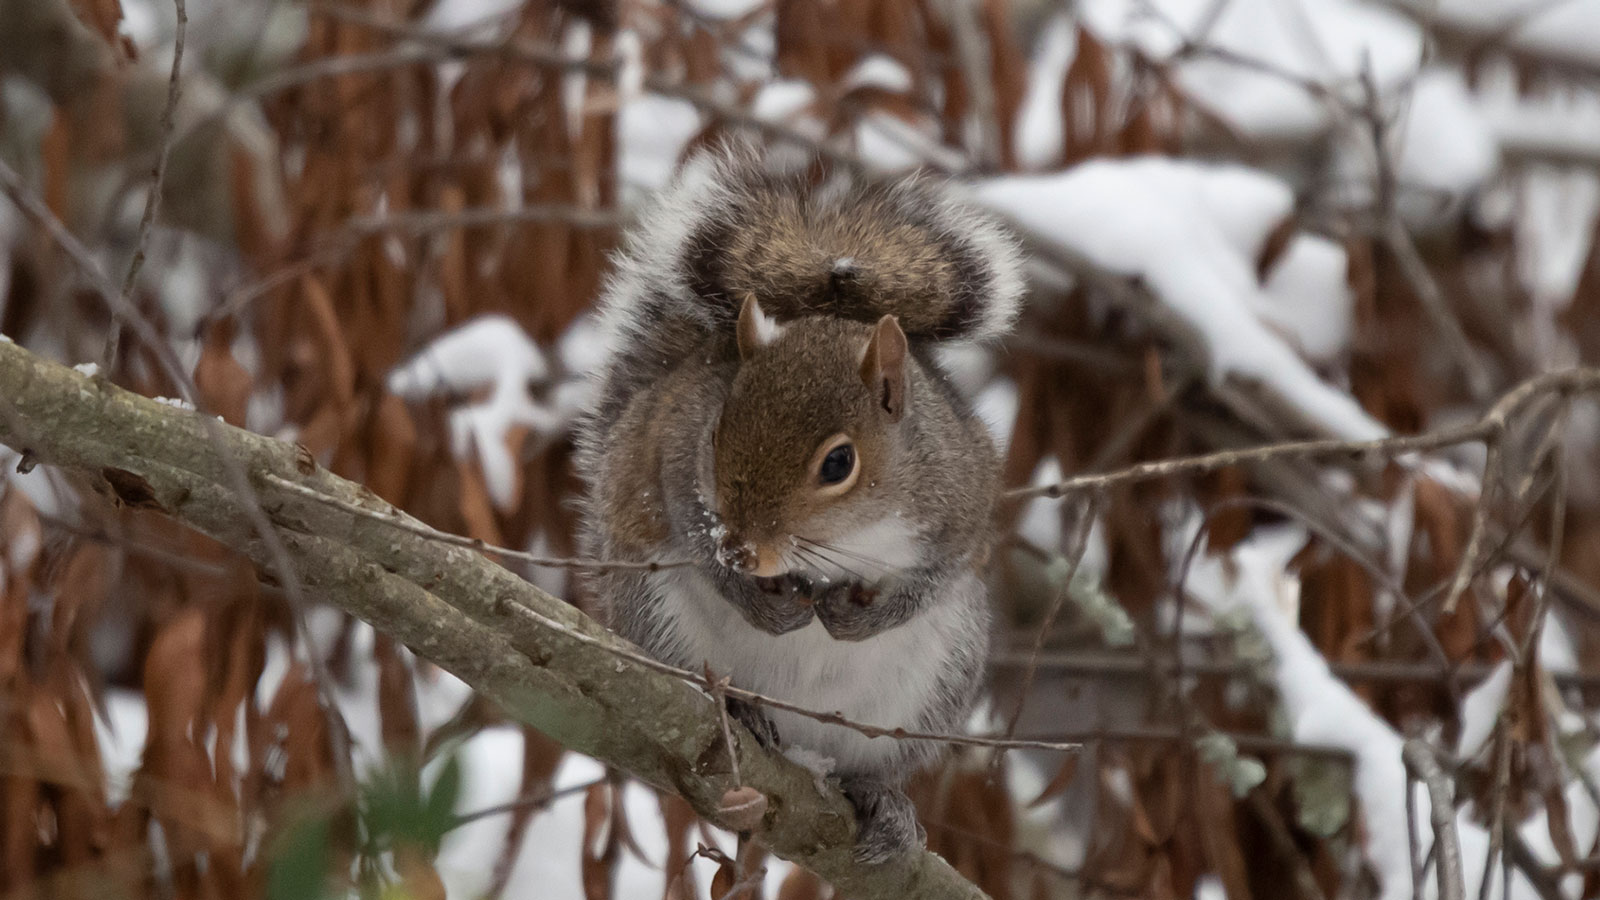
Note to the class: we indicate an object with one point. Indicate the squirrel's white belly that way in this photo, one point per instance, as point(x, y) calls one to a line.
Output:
point(887, 680)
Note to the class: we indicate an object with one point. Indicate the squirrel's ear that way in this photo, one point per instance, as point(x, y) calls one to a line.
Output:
point(883, 367)
point(756, 329)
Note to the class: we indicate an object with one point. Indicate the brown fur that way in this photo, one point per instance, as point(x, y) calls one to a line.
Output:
point(708, 432)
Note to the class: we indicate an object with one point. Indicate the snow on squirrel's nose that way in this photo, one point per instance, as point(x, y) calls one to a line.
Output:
point(751, 559)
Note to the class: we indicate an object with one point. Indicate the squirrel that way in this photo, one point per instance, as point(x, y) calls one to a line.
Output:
point(772, 411)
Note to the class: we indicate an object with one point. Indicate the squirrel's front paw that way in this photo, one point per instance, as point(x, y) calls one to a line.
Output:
point(848, 612)
point(886, 822)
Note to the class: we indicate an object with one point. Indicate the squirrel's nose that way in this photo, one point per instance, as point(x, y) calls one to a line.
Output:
point(736, 554)
point(750, 559)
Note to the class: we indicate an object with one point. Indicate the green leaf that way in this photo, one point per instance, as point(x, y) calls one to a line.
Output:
point(300, 859)
point(441, 805)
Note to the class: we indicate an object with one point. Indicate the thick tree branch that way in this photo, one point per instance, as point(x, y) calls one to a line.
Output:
point(450, 605)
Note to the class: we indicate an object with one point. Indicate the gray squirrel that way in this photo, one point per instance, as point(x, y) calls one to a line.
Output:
point(772, 411)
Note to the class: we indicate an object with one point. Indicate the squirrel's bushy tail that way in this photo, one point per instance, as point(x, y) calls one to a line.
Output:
point(732, 226)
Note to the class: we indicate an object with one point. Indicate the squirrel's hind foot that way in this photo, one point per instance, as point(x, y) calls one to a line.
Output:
point(886, 821)
point(759, 723)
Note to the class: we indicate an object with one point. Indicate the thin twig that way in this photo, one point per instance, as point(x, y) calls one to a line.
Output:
point(1412, 840)
point(1400, 243)
point(152, 199)
point(1123, 665)
point(1421, 760)
point(394, 518)
point(427, 221)
point(1500, 756)
point(1080, 543)
point(718, 689)
point(1565, 381)
point(538, 800)
point(1467, 565)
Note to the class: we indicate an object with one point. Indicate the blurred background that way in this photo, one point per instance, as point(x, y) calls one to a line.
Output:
point(379, 230)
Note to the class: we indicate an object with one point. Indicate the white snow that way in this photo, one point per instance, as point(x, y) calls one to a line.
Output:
point(1480, 708)
point(175, 402)
point(1566, 28)
point(489, 351)
point(725, 9)
point(878, 71)
point(783, 99)
point(466, 15)
point(997, 406)
point(1190, 231)
point(120, 737)
point(1442, 141)
point(90, 369)
point(547, 868)
point(1038, 129)
point(1328, 42)
point(652, 132)
point(1253, 581)
point(1307, 297)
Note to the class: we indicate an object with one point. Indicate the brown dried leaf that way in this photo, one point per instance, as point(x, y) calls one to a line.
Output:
point(725, 878)
point(1086, 100)
point(224, 384)
point(1219, 838)
point(393, 441)
point(1059, 782)
point(599, 844)
point(476, 509)
point(680, 820)
point(334, 351)
point(397, 700)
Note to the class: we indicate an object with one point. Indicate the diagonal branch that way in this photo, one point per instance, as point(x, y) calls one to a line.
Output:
point(450, 605)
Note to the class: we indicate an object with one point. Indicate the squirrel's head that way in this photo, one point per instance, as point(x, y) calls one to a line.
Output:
point(806, 448)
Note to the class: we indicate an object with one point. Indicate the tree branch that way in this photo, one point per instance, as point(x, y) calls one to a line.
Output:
point(450, 605)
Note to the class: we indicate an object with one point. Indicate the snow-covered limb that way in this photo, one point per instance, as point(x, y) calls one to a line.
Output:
point(654, 726)
point(1192, 233)
point(1252, 583)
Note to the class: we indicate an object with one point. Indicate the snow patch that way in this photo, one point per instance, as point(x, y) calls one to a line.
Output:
point(878, 71)
point(1480, 708)
point(1038, 129)
point(1329, 43)
point(489, 351)
point(1190, 231)
point(1307, 297)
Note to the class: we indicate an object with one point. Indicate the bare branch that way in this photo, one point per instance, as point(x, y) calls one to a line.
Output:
point(1421, 762)
point(542, 660)
point(395, 519)
point(1564, 382)
point(152, 199)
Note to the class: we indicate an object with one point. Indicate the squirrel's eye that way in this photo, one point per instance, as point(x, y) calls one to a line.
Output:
point(838, 464)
